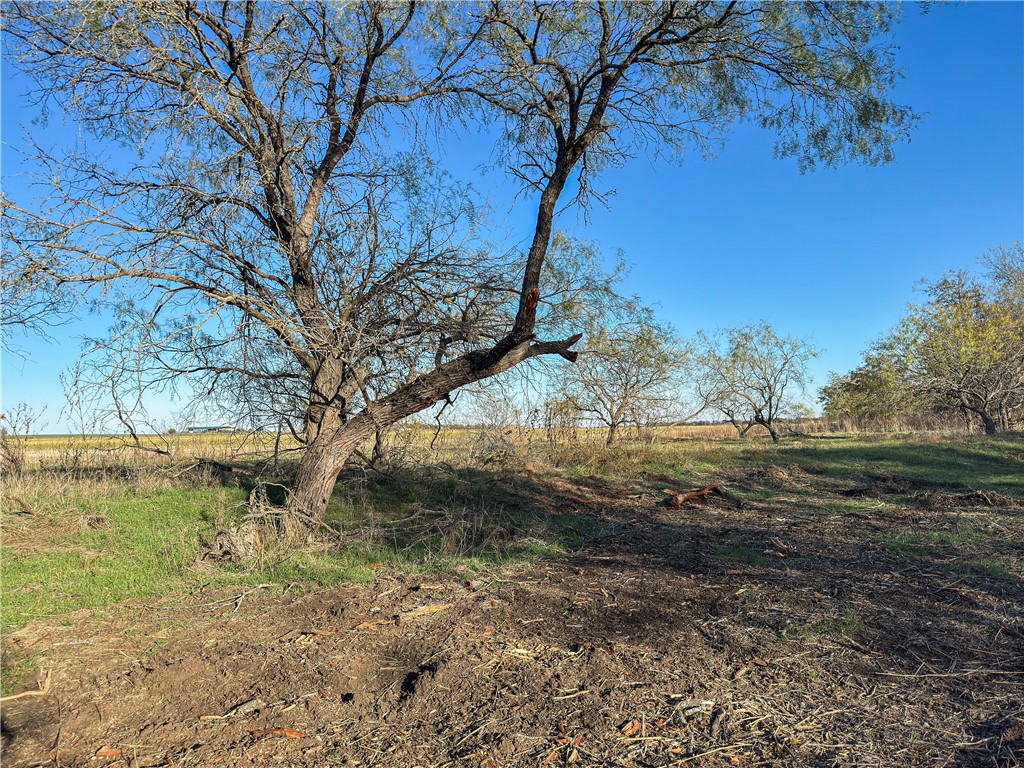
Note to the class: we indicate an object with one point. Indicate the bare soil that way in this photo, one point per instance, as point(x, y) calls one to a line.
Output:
point(760, 632)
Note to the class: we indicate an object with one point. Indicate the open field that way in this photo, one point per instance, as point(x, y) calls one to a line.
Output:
point(847, 601)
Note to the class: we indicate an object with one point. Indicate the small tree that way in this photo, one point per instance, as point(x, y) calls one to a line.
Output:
point(750, 374)
point(627, 373)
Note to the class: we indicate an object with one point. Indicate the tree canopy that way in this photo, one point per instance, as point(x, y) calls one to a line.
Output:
point(961, 350)
point(240, 199)
point(750, 374)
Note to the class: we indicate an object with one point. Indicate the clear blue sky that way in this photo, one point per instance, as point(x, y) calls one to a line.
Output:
point(833, 256)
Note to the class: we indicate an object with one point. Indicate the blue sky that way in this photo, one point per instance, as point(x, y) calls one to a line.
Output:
point(832, 256)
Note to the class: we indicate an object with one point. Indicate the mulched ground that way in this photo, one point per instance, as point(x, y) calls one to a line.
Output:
point(753, 633)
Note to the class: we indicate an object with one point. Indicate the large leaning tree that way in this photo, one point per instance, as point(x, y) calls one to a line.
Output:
point(239, 196)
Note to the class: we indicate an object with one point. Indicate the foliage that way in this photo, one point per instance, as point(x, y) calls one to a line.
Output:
point(961, 350)
point(872, 395)
point(750, 374)
point(267, 244)
point(629, 372)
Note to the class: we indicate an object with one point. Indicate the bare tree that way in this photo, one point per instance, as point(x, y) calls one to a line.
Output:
point(264, 235)
point(750, 373)
point(628, 374)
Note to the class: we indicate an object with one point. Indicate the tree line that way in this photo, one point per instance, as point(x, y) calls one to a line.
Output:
point(958, 355)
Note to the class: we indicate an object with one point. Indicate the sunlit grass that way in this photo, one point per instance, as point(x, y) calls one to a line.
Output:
point(80, 539)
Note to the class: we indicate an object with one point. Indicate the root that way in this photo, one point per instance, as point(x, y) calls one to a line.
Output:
point(44, 688)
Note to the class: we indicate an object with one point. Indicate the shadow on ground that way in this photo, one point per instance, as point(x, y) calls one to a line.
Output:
point(787, 623)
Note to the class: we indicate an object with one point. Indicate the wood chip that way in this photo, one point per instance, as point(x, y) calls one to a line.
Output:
point(290, 733)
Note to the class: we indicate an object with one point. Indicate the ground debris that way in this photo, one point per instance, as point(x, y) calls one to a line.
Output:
point(976, 498)
point(665, 640)
point(676, 498)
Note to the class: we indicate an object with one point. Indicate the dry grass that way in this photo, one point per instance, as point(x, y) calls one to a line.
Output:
point(853, 602)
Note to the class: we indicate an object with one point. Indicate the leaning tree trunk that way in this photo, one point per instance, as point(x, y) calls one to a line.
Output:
point(986, 419)
point(990, 424)
point(770, 426)
point(612, 429)
point(768, 423)
point(335, 440)
point(315, 478)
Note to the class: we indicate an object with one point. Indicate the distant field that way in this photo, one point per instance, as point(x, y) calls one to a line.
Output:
point(423, 440)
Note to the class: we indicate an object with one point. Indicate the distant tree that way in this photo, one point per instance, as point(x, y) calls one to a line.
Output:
point(964, 346)
point(874, 394)
point(750, 374)
point(628, 373)
point(1004, 266)
point(264, 242)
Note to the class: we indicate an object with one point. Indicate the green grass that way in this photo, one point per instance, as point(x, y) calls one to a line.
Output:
point(852, 506)
point(921, 543)
point(968, 462)
point(147, 533)
point(742, 554)
point(846, 625)
point(146, 545)
point(95, 542)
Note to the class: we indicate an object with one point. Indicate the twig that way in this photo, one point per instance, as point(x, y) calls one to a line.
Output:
point(691, 758)
point(44, 689)
point(237, 600)
point(965, 673)
point(60, 731)
point(22, 507)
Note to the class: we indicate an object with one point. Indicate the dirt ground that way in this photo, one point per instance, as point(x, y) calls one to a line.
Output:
point(722, 633)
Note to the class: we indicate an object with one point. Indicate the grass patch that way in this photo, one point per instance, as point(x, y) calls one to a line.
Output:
point(92, 540)
point(853, 506)
point(931, 543)
point(116, 543)
point(967, 462)
point(847, 625)
point(95, 541)
point(742, 554)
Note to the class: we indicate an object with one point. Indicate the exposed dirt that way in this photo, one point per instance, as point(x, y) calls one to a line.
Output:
point(766, 635)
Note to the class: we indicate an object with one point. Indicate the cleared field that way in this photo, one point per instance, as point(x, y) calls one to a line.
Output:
point(506, 601)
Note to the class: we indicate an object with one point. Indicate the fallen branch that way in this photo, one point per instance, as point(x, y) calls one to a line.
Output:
point(678, 498)
point(21, 507)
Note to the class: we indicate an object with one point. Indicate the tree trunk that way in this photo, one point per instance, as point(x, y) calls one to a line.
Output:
point(988, 422)
point(316, 476)
point(990, 425)
point(377, 457)
point(769, 424)
point(612, 428)
point(332, 440)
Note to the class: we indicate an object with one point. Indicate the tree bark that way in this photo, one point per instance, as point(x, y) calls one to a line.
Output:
point(336, 439)
point(986, 419)
point(612, 429)
point(990, 425)
point(316, 476)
